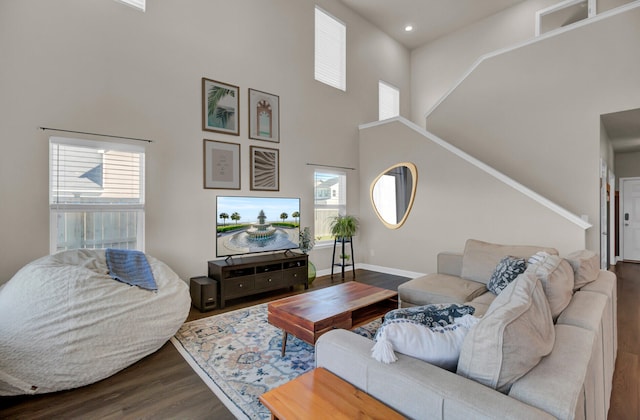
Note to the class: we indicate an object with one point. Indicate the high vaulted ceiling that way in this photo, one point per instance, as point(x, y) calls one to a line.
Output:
point(430, 19)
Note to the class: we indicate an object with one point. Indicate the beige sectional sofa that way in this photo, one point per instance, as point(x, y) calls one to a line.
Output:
point(572, 381)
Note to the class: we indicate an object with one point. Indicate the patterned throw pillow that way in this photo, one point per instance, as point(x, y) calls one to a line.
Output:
point(506, 271)
point(433, 315)
point(439, 345)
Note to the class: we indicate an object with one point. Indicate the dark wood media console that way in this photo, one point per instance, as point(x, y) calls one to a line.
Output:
point(244, 276)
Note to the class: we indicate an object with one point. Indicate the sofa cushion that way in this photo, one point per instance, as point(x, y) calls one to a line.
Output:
point(556, 276)
point(481, 303)
point(506, 271)
point(414, 388)
point(511, 338)
point(480, 258)
point(439, 345)
point(439, 288)
point(432, 315)
point(586, 267)
point(560, 382)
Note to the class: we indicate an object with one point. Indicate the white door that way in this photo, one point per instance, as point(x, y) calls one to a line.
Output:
point(630, 218)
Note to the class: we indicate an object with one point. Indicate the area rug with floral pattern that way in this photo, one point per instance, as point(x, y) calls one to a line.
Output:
point(237, 354)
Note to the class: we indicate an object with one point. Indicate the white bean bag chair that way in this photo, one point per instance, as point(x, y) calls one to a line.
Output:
point(65, 323)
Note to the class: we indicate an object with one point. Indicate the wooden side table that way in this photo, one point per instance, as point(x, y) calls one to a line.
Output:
point(318, 394)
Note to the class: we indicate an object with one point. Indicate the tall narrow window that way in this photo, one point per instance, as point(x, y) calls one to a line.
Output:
point(330, 50)
point(388, 101)
point(330, 200)
point(96, 195)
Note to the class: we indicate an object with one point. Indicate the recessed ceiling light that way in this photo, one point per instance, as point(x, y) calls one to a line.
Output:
point(408, 28)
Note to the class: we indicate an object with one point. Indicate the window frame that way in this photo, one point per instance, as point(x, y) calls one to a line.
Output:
point(386, 90)
point(57, 208)
point(341, 206)
point(330, 50)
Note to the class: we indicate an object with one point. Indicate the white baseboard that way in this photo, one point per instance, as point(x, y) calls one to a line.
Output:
point(377, 268)
point(389, 270)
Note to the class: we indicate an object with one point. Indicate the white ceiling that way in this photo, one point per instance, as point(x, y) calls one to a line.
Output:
point(431, 19)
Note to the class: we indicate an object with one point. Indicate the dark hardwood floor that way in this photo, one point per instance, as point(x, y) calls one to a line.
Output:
point(626, 378)
point(163, 385)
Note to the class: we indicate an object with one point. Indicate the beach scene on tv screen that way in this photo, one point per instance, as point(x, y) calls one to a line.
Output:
point(256, 224)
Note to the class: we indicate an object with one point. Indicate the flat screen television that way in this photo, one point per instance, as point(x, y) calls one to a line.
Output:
point(246, 225)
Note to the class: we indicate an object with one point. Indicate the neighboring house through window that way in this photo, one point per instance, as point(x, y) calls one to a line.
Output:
point(96, 195)
point(330, 200)
point(330, 50)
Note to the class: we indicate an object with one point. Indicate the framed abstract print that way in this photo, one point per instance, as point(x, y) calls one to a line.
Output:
point(265, 169)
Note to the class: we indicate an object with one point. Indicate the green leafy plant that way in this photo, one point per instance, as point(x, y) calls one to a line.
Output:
point(344, 226)
point(306, 240)
point(216, 93)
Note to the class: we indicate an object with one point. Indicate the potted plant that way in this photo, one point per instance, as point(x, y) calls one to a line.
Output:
point(306, 244)
point(305, 239)
point(344, 226)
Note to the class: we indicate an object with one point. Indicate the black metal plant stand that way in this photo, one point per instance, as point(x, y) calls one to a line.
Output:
point(342, 264)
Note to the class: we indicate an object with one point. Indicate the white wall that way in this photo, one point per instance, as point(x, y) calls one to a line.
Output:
point(104, 67)
point(604, 5)
point(454, 201)
point(606, 148)
point(627, 165)
point(534, 113)
point(438, 65)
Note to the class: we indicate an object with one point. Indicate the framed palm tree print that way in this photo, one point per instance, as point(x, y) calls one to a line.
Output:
point(220, 107)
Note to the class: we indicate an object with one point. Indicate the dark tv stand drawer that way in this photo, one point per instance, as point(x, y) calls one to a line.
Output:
point(248, 275)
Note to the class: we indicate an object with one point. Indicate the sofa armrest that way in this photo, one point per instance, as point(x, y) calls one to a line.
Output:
point(450, 263)
point(413, 387)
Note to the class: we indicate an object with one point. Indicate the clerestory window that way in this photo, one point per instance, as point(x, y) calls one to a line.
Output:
point(330, 50)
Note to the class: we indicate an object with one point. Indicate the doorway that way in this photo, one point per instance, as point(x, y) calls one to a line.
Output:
point(630, 219)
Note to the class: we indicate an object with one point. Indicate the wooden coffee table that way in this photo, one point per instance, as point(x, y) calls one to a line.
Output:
point(319, 394)
point(347, 305)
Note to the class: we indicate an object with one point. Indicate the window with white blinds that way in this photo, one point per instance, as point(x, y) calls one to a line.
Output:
point(138, 4)
point(388, 101)
point(330, 50)
point(96, 194)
